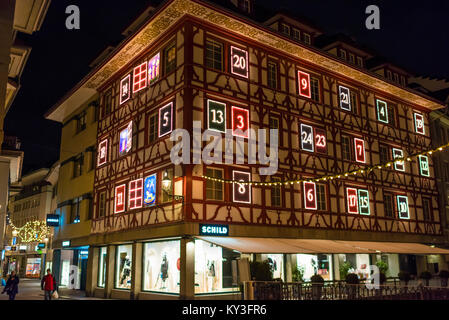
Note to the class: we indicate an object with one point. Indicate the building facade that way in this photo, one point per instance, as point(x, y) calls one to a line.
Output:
point(162, 230)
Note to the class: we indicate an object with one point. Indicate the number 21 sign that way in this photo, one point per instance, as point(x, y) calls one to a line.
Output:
point(239, 63)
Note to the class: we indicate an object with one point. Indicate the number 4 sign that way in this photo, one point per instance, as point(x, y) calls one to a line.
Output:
point(239, 64)
point(304, 84)
point(310, 195)
point(382, 111)
point(216, 116)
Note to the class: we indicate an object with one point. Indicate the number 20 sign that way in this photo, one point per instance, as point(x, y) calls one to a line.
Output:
point(239, 62)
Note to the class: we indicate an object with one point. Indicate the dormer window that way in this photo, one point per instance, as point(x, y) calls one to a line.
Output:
point(403, 81)
point(306, 38)
point(396, 78)
point(343, 54)
point(360, 62)
point(285, 29)
point(296, 34)
point(244, 5)
point(388, 74)
point(352, 58)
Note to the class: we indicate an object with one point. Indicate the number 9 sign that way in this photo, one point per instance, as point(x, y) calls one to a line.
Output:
point(304, 84)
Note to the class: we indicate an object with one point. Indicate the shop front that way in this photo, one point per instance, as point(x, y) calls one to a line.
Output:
point(70, 267)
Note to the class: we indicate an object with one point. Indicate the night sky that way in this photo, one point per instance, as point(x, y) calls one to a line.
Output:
point(413, 35)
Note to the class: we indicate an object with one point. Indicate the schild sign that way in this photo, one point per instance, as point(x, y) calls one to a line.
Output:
point(398, 153)
point(135, 194)
point(310, 195)
point(241, 192)
point(153, 68)
point(240, 122)
point(363, 202)
point(424, 166)
point(102, 152)
point(320, 141)
point(125, 89)
point(120, 198)
point(149, 190)
point(359, 145)
point(403, 207)
point(419, 123)
point(306, 137)
point(382, 111)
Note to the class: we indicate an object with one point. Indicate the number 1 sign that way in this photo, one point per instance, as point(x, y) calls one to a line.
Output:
point(216, 115)
point(310, 195)
point(239, 62)
point(304, 84)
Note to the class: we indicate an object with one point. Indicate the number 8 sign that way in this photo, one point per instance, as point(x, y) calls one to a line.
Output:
point(239, 62)
point(310, 195)
point(241, 192)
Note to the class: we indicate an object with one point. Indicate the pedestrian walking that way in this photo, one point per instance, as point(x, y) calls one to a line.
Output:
point(12, 286)
point(48, 284)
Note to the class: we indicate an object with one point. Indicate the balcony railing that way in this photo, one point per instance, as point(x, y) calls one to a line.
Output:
point(339, 290)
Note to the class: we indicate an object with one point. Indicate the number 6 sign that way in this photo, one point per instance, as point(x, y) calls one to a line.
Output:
point(310, 195)
point(239, 62)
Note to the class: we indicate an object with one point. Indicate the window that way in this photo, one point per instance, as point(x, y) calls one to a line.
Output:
point(123, 266)
point(161, 270)
point(343, 54)
point(384, 153)
point(276, 193)
point(388, 74)
point(152, 127)
point(352, 58)
point(306, 38)
point(167, 185)
point(214, 55)
point(321, 196)
point(272, 74)
point(360, 62)
point(296, 34)
point(244, 5)
point(92, 158)
point(388, 205)
point(346, 147)
point(274, 124)
point(446, 171)
point(170, 58)
point(427, 209)
point(135, 194)
point(101, 204)
point(102, 267)
point(214, 189)
point(403, 81)
point(81, 122)
point(90, 209)
point(285, 29)
point(315, 89)
point(391, 115)
point(396, 77)
point(75, 210)
point(354, 102)
point(107, 100)
point(78, 166)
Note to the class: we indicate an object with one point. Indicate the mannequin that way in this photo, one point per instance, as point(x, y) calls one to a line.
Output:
point(164, 270)
point(126, 272)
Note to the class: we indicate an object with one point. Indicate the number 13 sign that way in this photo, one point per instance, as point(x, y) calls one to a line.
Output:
point(239, 62)
point(310, 195)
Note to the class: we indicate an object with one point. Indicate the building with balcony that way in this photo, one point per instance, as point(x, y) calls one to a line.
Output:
point(166, 230)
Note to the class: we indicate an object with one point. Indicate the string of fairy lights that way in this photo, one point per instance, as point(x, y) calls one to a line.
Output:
point(366, 169)
point(32, 231)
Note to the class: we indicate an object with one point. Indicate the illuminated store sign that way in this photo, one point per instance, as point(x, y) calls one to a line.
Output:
point(153, 68)
point(239, 62)
point(84, 252)
point(102, 152)
point(359, 145)
point(398, 153)
point(304, 84)
point(306, 137)
point(53, 220)
point(241, 192)
point(310, 195)
point(320, 141)
point(140, 77)
point(66, 243)
point(135, 195)
point(424, 166)
point(125, 89)
point(120, 198)
point(214, 230)
point(352, 200)
point(166, 119)
point(382, 111)
point(216, 116)
point(403, 207)
point(345, 98)
point(363, 201)
point(419, 123)
point(149, 190)
point(240, 122)
point(41, 245)
point(126, 136)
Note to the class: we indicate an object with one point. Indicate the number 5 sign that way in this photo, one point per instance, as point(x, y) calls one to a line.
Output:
point(304, 84)
point(241, 192)
point(310, 195)
point(166, 119)
point(216, 116)
point(239, 62)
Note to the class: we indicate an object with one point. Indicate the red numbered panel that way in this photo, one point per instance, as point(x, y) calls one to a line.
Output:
point(359, 145)
point(240, 122)
point(119, 201)
point(320, 141)
point(135, 194)
point(304, 84)
point(140, 77)
point(352, 200)
point(102, 152)
point(310, 195)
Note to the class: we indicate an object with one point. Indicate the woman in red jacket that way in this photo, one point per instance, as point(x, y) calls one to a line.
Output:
point(48, 284)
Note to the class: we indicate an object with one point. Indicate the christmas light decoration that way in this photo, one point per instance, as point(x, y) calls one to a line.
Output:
point(366, 169)
point(32, 231)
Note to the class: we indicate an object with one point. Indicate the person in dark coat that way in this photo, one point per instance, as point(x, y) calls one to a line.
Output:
point(12, 286)
point(48, 284)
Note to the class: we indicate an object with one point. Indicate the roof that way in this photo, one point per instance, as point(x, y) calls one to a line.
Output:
point(379, 62)
point(327, 41)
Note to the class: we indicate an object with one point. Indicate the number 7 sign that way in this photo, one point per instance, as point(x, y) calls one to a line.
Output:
point(359, 145)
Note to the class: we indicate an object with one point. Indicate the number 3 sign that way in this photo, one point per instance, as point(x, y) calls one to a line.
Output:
point(240, 122)
point(239, 62)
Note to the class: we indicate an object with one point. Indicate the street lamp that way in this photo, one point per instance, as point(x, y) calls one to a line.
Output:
point(166, 182)
point(15, 233)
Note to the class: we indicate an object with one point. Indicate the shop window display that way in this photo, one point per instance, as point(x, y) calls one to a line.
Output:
point(312, 264)
point(215, 268)
point(33, 268)
point(102, 267)
point(276, 262)
point(123, 267)
point(162, 266)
